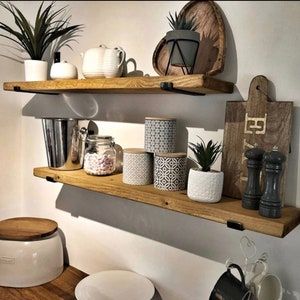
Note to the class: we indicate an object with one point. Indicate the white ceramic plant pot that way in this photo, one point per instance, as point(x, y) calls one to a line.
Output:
point(35, 70)
point(205, 186)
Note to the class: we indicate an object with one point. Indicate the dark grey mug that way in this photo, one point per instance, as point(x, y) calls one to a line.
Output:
point(228, 287)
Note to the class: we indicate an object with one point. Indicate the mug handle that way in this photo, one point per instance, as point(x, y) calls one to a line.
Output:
point(235, 266)
point(123, 54)
point(257, 278)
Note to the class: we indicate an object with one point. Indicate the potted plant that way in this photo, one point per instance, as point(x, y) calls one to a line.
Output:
point(185, 37)
point(51, 25)
point(204, 184)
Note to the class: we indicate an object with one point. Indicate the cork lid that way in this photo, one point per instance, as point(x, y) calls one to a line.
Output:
point(171, 155)
point(134, 150)
point(26, 229)
point(160, 118)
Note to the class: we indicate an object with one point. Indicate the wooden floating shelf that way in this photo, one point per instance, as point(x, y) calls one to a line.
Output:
point(63, 287)
point(196, 83)
point(226, 210)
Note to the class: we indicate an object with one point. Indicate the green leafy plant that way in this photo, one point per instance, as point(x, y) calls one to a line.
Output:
point(51, 25)
point(206, 155)
point(182, 22)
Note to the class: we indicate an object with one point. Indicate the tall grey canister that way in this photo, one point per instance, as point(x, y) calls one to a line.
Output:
point(170, 171)
point(137, 166)
point(160, 134)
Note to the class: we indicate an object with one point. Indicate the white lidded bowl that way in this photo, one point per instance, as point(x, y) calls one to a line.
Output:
point(115, 285)
point(30, 263)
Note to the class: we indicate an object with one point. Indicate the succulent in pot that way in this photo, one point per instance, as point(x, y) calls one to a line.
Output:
point(50, 30)
point(204, 184)
point(183, 40)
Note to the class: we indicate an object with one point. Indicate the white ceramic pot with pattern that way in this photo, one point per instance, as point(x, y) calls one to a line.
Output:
point(137, 167)
point(170, 171)
point(160, 134)
point(205, 186)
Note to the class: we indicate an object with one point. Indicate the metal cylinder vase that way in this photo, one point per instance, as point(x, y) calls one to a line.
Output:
point(170, 171)
point(65, 142)
point(160, 134)
point(137, 167)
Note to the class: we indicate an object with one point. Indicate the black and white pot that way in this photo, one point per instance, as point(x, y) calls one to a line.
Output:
point(205, 186)
point(188, 42)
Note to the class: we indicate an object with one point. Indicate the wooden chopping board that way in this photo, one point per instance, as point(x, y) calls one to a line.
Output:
point(256, 121)
point(26, 229)
point(211, 53)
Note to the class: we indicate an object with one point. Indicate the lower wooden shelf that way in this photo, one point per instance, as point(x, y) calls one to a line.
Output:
point(226, 210)
point(61, 288)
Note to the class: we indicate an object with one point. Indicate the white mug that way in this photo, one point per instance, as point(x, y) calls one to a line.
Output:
point(113, 62)
point(266, 286)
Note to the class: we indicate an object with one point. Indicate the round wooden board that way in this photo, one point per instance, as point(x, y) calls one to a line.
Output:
point(211, 53)
point(26, 229)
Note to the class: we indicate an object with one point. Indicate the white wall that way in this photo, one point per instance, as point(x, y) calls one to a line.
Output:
point(105, 232)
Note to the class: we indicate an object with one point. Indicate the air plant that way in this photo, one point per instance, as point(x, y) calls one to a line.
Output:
point(182, 22)
point(206, 155)
point(51, 27)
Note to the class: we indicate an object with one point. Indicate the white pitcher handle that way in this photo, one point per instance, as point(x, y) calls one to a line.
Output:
point(123, 56)
point(257, 278)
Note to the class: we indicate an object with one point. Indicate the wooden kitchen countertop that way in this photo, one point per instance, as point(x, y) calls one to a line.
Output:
point(61, 288)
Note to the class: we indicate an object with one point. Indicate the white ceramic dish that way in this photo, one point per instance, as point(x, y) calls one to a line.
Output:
point(115, 285)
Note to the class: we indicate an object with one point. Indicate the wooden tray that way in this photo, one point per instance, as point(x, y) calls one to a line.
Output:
point(211, 53)
point(256, 121)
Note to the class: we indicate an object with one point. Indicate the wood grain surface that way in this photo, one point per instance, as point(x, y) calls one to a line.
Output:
point(61, 288)
point(256, 121)
point(125, 85)
point(227, 209)
point(26, 229)
point(211, 54)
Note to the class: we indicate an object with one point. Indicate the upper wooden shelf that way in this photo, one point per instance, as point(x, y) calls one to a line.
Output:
point(226, 210)
point(195, 83)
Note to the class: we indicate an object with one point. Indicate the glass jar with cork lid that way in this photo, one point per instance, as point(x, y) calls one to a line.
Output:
point(100, 155)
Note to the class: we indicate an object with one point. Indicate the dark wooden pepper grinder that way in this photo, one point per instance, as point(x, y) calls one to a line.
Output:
point(270, 203)
point(252, 194)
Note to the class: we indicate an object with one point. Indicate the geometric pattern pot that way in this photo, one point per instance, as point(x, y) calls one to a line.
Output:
point(137, 167)
point(205, 186)
point(170, 171)
point(160, 134)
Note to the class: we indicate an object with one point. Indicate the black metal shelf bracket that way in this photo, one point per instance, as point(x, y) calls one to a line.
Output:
point(235, 225)
point(168, 86)
point(18, 89)
point(50, 179)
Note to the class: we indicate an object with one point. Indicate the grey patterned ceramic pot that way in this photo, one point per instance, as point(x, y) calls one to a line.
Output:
point(170, 171)
point(137, 167)
point(160, 134)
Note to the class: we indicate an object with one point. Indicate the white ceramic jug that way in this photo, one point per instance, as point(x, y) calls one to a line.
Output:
point(113, 62)
point(92, 64)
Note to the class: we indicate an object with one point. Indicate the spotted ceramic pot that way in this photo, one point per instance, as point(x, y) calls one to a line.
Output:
point(170, 171)
point(160, 134)
point(137, 167)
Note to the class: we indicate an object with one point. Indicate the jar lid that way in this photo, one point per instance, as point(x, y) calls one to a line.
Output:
point(170, 154)
point(160, 118)
point(135, 150)
point(99, 138)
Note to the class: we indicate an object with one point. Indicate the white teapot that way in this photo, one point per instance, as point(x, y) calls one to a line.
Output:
point(92, 64)
point(113, 62)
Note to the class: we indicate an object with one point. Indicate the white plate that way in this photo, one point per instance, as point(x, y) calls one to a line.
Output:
point(115, 285)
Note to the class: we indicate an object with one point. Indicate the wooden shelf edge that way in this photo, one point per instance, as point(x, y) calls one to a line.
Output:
point(124, 85)
point(226, 210)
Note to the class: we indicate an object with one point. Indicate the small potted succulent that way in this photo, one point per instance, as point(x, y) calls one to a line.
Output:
point(187, 38)
point(51, 27)
point(204, 184)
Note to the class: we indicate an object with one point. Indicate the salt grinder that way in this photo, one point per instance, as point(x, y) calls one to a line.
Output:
point(252, 194)
point(270, 203)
